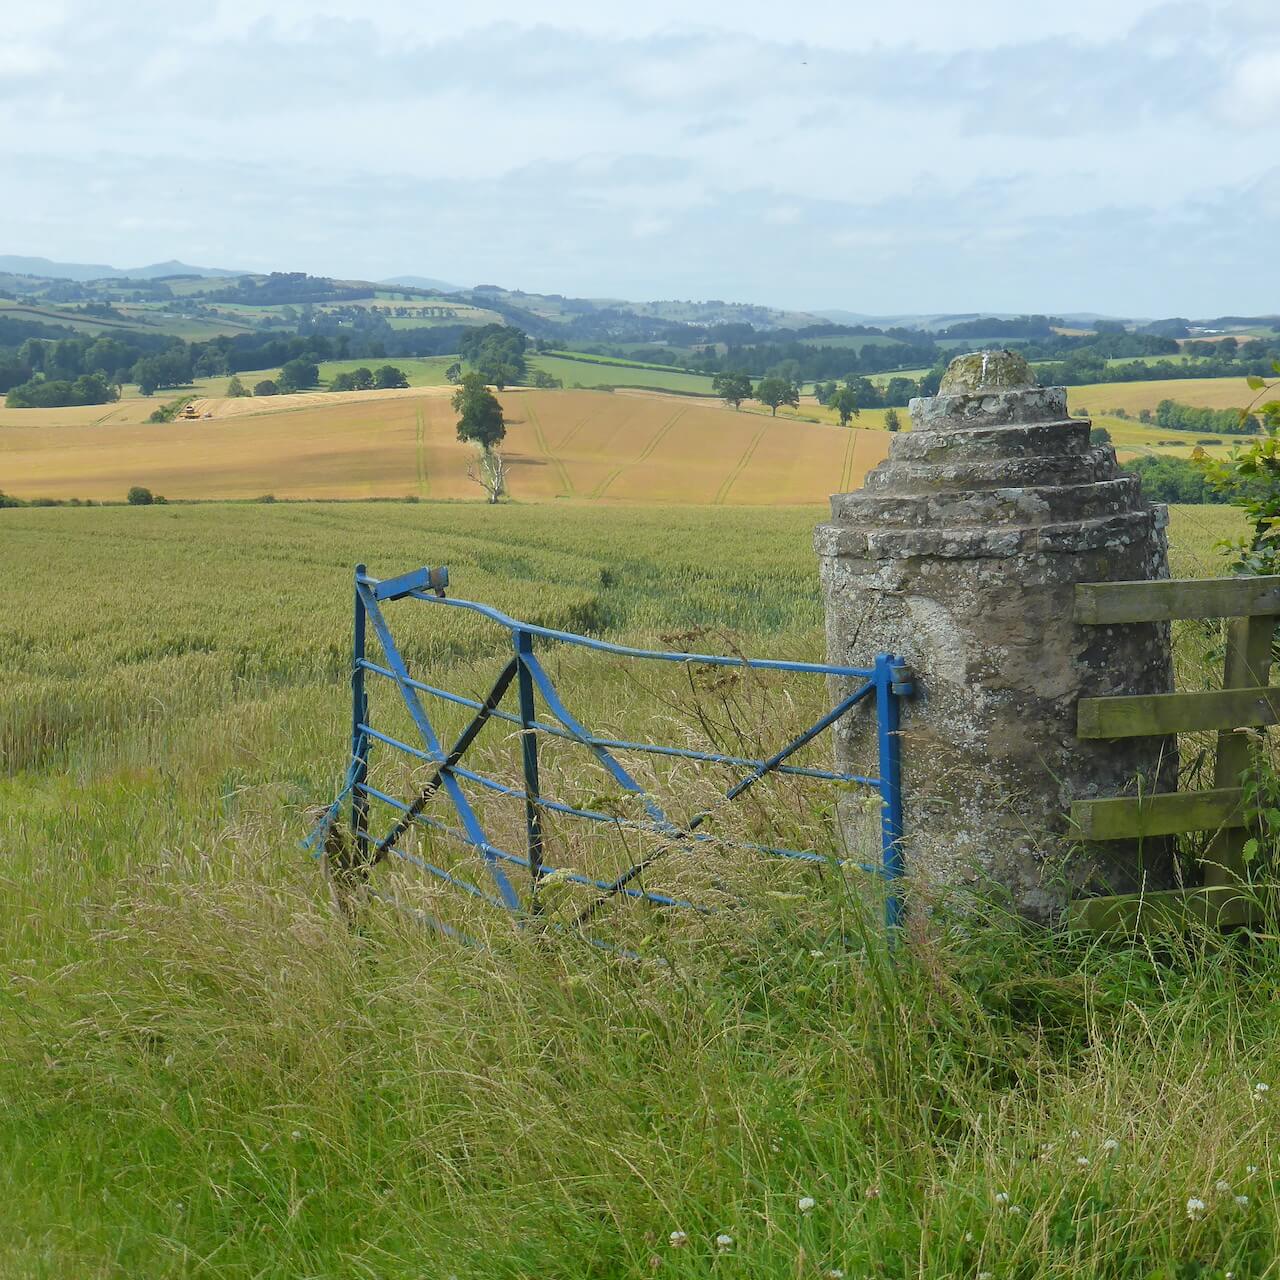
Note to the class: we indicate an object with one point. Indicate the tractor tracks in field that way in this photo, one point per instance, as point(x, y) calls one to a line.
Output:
point(741, 465)
point(572, 433)
point(658, 437)
point(420, 449)
point(554, 459)
point(846, 473)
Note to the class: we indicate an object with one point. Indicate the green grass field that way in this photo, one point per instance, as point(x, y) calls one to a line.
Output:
point(425, 371)
point(591, 373)
point(205, 1073)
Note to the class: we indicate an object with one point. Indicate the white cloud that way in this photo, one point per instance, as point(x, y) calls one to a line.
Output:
point(854, 24)
point(1252, 97)
point(20, 59)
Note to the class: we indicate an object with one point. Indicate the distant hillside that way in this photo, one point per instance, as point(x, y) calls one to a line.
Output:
point(81, 271)
point(423, 282)
point(934, 321)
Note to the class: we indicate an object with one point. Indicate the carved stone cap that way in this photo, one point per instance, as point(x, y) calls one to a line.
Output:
point(987, 371)
point(993, 463)
point(988, 388)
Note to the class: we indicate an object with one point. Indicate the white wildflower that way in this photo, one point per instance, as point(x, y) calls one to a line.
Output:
point(815, 954)
point(724, 1242)
point(833, 1273)
point(1261, 1087)
point(1015, 1208)
point(1082, 1161)
point(1222, 1186)
point(1251, 1169)
point(1242, 1202)
point(296, 1135)
point(1196, 1208)
point(968, 1237)
point(805, 1204)
point(1002, 1197)
point(985, 1275)
point(1075, 1133)
point(678, 1239)
point(1111, 1146)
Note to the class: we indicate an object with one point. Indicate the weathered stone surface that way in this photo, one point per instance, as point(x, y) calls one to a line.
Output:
point(961, 555)
point(987, 371)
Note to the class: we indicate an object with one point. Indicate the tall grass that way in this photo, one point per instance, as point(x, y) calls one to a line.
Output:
point(205, 1072)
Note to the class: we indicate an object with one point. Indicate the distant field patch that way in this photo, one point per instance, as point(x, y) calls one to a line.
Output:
point(1133, 397)
point(854, 341)
point(82, 323)
point(590, 373)
point(424, 371)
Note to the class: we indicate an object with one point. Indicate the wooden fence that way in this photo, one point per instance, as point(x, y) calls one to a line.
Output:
point(1246, 701)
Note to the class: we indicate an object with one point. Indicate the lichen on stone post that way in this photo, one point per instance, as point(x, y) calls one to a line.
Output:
point(961, 554)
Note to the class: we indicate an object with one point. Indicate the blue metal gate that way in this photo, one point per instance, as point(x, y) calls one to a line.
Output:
point(515, 877)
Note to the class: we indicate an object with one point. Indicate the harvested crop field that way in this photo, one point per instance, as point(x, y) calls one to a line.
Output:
point(1133, 397)
point(560, 444)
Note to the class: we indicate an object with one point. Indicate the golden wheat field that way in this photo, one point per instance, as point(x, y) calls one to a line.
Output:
point(1133, 397)
point(560, 444)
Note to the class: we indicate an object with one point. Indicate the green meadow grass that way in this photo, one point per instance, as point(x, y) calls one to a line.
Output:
point(592, 373)
point(206, 1073)
point(420, 371)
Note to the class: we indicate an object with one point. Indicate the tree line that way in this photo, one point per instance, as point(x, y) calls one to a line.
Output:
point(848, 400)
point(29, 351)
point(1187, 417)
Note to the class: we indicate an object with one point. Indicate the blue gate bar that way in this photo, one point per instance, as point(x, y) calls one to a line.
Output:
point(892, 684)
point(523, 643)
point(616, 744)
point(592, 815)
point(884, 684)
point(660, 899)
point(626, 651)
point(359, 743)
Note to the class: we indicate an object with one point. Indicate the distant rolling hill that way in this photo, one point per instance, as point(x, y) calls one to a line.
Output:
point(80, 271)
point(423, 282)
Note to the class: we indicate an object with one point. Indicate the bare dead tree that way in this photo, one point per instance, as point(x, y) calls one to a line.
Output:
point(489, 471)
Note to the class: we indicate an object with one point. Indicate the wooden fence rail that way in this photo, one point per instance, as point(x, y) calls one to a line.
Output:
point(1246, 701)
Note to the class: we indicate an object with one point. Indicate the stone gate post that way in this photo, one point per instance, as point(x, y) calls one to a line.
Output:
point(961, 555)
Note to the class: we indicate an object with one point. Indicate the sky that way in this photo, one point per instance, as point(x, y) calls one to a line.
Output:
point(1115, 156)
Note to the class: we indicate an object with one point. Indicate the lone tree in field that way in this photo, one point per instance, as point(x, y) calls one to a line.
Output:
point(453, 373)
point(496, 352)
point(893, 423)
point(845, 403)
point(297, 375)
point(360, 379)
point(388, 377)
point(480, 422)
point(776, 391)
point(236, 388)
point(732, 388)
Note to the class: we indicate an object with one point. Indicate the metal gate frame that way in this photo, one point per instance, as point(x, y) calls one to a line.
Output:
point(886, 683)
